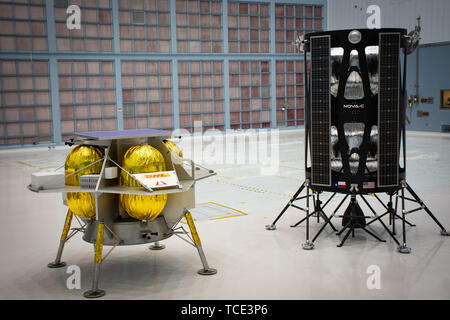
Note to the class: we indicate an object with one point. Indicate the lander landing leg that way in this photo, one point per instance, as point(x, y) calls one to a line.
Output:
point(308, 245)
point(95, 292)
point(403, 248)
point(58, 263)
point(404, 185)
point(206, 271)
point(444, 232)
point(290, 203)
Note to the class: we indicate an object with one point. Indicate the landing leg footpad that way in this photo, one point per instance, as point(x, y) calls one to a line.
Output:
point(54, 265)
point(94, 293)
point(207, 272)
point(404, 249)
point(157, 247)
point(308, 246)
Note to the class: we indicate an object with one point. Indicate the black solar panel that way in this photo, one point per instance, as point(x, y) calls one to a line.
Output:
point(320, 111)
point(388, 109)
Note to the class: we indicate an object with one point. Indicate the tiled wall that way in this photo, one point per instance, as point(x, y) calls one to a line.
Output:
point(86, 93)
point(201, 97)
point(95, 34)
point(199, 26)
point(249, 94)
point(23, 25)
point(248, 27)
point(147, 94)
point(144, 26)
point(25, 116)
point(290, 93)
point(150, 64)
point(292, 21)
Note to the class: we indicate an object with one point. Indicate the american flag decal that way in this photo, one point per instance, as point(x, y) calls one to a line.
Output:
point(368, 185)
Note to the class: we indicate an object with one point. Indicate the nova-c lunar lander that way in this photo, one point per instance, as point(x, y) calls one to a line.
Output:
point(355, 132)
point(125, 188)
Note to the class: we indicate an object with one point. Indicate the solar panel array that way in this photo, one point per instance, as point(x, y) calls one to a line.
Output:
point(320, 111)
point(388, 109)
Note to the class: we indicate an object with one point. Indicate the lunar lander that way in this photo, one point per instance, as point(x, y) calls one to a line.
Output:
point(104, 186)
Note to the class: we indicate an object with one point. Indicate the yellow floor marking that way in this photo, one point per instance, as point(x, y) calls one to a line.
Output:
point(252, 189)
point(27, 164)
point(240, 213)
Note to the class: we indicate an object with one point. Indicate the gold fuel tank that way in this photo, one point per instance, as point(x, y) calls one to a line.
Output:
point(142, 159)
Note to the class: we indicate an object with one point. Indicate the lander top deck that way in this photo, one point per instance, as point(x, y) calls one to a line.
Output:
point(116, 150)
point(124, 134)
point(369, 37)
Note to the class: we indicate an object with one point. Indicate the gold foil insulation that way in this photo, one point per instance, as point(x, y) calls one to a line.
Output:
point(141, 159)
point(193, 229)
point(174, 148)
point(99, 243)
point(82, 203)
point(67, 225)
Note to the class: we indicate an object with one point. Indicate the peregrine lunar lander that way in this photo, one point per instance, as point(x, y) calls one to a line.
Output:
point(125, 188)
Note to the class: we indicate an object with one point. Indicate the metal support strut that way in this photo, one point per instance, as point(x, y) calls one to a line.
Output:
point(355, 221)
point(95, 292)
point(273, 225)
point(206, 269)
point(403, 248)
point(444, 232)
point(58, 263)
point(308, 245)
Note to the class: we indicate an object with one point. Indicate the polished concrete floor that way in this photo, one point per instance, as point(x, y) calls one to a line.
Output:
point(252, 263)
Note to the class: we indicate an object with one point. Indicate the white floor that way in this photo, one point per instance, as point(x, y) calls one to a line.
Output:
point(252, 263)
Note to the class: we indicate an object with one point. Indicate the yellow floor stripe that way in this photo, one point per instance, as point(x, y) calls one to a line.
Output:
point(252, 189)
point(221, 205)
point(27, 164)
point(241, 213)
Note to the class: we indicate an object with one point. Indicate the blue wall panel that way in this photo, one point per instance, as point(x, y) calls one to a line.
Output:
point(434, 75)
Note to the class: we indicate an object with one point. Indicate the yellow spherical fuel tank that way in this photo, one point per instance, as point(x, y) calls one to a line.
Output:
point(82, 203)
point(173, 148)
point(142, 159)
